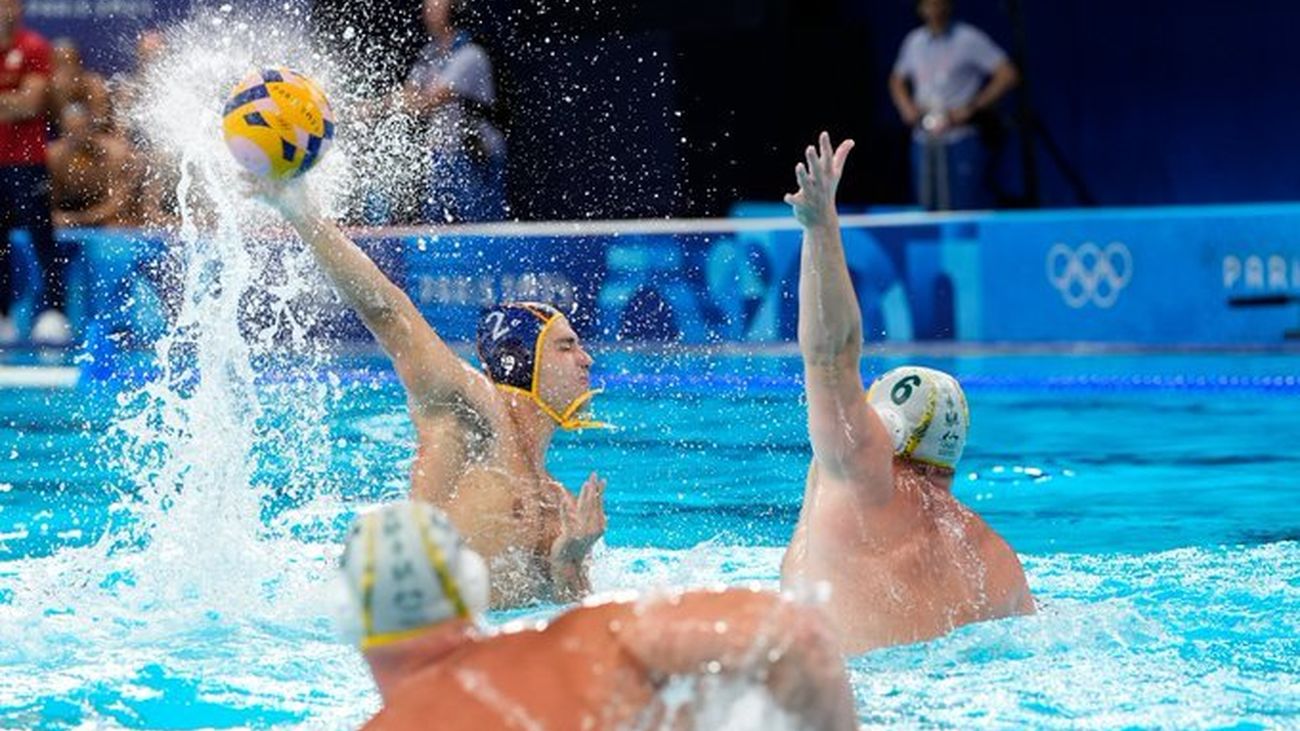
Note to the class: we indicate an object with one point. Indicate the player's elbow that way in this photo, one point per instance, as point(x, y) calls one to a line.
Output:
point(383, 321)
point(378, 314)
point(808, 675)
point(820, 356)
point(824, 347)
point(381, 309)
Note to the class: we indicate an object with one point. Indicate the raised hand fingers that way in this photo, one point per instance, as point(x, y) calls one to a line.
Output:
point(814, 165)
point(825, 153)
point(591, 505)
point(592, 489)
point(842, 154)
point(801, 175)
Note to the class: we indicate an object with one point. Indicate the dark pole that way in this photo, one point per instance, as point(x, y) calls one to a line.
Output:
point(1028, 164)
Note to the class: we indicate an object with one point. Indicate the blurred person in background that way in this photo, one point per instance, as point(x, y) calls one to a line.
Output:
point(947, 75)
point(451, 87)
point(25, 67)
point(125, 87)
point(72, 83)
point(92, 173)
point(156, 171)
point(679, 659)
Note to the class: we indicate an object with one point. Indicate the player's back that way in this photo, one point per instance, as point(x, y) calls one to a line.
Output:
point(905, 571)
point(572, 674)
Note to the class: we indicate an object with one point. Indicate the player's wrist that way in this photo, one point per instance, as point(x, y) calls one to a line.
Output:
point(301, 212)
point(826, 220)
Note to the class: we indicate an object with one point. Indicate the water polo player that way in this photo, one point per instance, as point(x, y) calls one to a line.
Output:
point(905, 560)
point(483, 435)
point(416, 590)
point(512, 341)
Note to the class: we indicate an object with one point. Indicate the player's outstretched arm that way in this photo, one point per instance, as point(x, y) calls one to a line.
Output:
point(848, 440)
point(431, 372)
point(756, 635)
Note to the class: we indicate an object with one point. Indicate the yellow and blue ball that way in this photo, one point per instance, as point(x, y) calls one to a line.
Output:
point(277, 123)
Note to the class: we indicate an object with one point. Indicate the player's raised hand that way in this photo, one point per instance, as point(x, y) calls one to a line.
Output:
point(818, 177)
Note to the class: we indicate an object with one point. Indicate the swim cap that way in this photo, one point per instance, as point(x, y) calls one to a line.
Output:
point(509, 344)
point(510, 339)
point(407, 569)
point(926, 413)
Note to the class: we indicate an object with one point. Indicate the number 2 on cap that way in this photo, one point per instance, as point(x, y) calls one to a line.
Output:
point(499, 328)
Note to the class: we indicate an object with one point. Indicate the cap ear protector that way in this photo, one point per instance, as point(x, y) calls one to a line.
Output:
point(408, 569)
point(510, 339)
point(925, 412)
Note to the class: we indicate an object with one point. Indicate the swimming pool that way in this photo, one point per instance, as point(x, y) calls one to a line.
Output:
point(184, 580)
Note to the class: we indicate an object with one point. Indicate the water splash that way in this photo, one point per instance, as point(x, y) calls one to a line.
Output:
point(195, 440)
point(216, 568)
point(218, 466)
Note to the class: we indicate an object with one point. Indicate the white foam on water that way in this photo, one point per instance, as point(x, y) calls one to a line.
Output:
point(1119, 641)
point(724, 704)
point(652, 569)
point(1146, 641)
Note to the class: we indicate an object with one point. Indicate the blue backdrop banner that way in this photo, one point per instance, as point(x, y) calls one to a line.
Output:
point(1196, 276)
point(1218, 275)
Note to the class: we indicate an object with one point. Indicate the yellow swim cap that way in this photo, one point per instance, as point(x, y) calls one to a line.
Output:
point(926, 413)
point(407, 569)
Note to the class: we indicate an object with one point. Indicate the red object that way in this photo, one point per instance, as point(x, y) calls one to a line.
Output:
point(23, 143)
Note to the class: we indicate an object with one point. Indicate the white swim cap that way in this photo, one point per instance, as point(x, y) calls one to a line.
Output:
point(406, 569)
point(926, 413)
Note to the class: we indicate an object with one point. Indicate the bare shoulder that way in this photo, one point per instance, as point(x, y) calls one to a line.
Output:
point(476, 497)
point(1006, 575)
point(692, 611)
point(475, 411)
point(871, 486)
point(606, 616)
point(414, 704)
point(681, 633)
point(992, 545)
point(876, 509)
point(467, 386)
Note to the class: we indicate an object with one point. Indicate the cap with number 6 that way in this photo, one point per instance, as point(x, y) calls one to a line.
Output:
point(925, 412)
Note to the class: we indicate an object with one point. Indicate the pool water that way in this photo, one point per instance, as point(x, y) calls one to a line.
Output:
point(148, 580)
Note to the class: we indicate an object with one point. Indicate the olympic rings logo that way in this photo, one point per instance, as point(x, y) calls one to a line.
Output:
point(1089, 273)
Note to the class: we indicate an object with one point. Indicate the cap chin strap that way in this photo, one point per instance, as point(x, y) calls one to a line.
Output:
point(568, 419)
